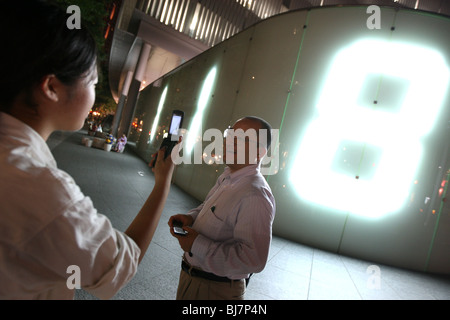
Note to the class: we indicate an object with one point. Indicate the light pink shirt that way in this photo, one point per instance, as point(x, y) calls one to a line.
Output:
point(48, 225)
point(235, 225)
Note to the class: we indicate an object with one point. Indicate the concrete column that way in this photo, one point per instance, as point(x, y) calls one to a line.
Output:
point(120, 105)
point(142, 63)
point(133, 92)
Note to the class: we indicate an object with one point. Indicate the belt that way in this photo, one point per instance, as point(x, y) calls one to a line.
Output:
point(203, 274)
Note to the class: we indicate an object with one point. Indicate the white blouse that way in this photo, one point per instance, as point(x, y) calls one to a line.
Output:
point(50, 233)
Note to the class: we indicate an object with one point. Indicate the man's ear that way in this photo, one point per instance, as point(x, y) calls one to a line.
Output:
point(51, 88)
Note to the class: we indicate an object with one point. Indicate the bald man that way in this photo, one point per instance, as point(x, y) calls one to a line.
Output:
point(229, 234)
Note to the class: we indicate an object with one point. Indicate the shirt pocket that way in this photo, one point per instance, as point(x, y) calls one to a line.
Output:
point(217, 224)
point(217, 213)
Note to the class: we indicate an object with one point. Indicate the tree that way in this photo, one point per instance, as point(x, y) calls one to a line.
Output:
point(95, 16)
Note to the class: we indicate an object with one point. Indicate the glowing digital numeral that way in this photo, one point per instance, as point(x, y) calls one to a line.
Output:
point(397, 134)
point(158, 113)
point(195, 128)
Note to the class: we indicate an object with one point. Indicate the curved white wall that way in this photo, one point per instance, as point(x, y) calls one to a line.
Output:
point(363, 117)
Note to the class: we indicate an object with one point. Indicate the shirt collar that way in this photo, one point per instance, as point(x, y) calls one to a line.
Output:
point(25, 136)
point(241, 173)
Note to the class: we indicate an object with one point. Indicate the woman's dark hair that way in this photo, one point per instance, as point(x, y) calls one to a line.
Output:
point(37, 42)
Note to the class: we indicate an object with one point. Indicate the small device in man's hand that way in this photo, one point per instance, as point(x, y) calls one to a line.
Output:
point(171, 140)
point(178, 228)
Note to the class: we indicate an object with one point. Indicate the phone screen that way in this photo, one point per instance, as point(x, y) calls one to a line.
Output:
point(168, 142)
point(175, 125)
point(178, 228)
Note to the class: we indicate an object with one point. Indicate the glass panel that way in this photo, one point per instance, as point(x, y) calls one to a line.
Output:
point(267, 75)
point(303, 183)
point(228, 60)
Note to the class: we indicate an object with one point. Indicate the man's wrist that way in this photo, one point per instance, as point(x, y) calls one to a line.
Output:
point(199, 247)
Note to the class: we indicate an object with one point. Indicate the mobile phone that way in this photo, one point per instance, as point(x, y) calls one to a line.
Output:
point(172, 138)
point(178, 228)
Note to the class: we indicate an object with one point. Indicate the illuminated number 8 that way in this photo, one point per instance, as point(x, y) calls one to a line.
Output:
point(395, 132)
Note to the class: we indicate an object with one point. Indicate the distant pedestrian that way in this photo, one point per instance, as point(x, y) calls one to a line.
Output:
point(121, 143)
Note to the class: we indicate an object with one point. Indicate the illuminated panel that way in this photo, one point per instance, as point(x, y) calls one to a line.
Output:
point(158, 113)
point(386, 140)
point(195, 129)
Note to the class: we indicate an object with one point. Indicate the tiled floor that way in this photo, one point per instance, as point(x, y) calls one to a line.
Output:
point(119, 184)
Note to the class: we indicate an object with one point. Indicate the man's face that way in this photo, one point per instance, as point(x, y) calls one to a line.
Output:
point(241, 147)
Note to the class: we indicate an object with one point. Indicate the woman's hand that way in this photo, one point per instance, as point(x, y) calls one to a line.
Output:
point(163, 168)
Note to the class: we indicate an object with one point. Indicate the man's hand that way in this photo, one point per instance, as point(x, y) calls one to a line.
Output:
point(184, 219)
point(187, 240)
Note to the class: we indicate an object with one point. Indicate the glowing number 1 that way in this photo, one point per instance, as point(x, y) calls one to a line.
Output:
point(195, 131)
point(396, 133)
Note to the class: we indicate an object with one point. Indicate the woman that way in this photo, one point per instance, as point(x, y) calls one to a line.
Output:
point(121, 143)
point(47, 225)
